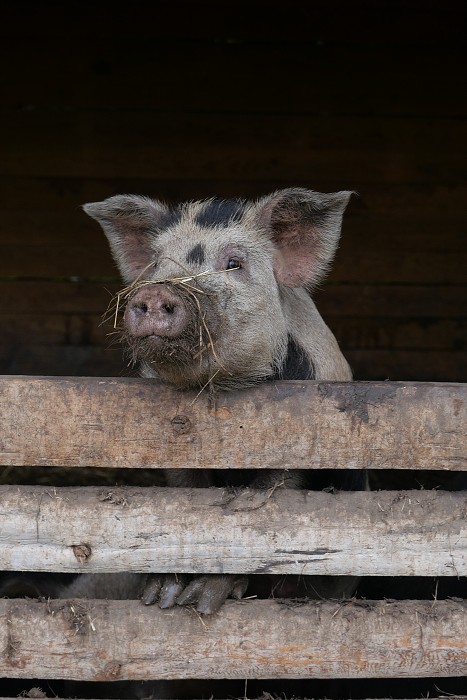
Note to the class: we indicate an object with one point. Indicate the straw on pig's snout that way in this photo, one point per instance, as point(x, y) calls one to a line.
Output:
point(184, 289)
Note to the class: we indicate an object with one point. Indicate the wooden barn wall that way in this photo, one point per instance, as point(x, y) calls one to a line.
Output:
point(188, 100)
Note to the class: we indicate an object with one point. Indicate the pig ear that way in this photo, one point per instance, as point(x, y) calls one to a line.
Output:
point(130, 223)
point(305, 226)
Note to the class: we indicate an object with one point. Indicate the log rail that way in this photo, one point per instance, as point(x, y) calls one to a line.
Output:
point(112, 423)
point(134, 423)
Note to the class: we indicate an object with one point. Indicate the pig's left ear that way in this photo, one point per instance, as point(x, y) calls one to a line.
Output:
point(130, 223)
point(305, 226)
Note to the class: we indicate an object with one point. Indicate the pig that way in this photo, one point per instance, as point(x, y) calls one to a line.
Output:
point(218, 296)
point(222, 287)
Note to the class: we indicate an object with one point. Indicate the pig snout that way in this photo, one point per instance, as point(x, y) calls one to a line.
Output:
point(156, 311)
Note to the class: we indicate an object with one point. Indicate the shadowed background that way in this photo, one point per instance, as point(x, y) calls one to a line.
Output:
point(191, 100)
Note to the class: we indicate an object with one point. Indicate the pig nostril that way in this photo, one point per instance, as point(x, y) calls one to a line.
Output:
point(168, 308)
point(143, 307)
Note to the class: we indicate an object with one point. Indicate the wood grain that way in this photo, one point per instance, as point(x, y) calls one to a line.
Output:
point(117, 640)
point(214, 531)
point(285, 425)
point(60, 144)
point(281, 76)
point(322, 21)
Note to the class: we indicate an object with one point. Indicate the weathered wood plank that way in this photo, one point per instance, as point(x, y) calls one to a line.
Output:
point(213, 531)
point(69, 297)
point(117, 640)
point(284, 425)
point(275, 76)
point(64, 360)
point(266, 20)
point(360, 332)
point(420, 365)
point(45, 143)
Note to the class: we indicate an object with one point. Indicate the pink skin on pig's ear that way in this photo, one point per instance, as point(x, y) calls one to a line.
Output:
point(305, 226)
point(129, 222)
point(291, 268)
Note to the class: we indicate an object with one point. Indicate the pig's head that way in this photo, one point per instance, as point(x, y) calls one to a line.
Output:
point(215, 288)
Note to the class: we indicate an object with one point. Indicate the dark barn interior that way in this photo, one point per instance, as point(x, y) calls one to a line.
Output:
point(183, 101)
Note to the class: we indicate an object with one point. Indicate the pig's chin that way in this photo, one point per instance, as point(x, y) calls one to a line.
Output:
point(183, 364)
point(160, 351)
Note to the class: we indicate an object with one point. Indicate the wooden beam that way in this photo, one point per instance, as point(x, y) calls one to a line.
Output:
point(117, 640)
point(228, 145)
point(411, 533)
point(106, 422)
point(380, 66)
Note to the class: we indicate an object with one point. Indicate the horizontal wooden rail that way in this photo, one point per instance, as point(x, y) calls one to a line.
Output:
point(140, 423)
point(411, 533)
point(112, 640)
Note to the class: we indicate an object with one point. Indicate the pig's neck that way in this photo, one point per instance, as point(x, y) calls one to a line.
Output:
point(312, 352)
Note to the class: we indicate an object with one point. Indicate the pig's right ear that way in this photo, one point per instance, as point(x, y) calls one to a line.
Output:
point(130, 223)
point(305, 227)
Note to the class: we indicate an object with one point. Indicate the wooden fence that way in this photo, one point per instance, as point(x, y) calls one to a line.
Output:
point(134, 423)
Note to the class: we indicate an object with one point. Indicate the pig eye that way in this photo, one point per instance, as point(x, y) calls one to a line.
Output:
point(233, 264)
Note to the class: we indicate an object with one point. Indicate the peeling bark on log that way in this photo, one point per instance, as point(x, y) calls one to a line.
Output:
point(112, 640)
point(385, 533)
point(284, 425)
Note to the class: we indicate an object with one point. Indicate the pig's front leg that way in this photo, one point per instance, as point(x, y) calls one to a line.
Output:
point(207, 592)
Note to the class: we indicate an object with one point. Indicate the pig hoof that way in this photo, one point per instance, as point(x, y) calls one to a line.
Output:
point(208, 592)
point(163, 589)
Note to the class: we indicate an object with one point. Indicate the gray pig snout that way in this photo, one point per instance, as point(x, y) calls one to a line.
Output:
point(156, 310)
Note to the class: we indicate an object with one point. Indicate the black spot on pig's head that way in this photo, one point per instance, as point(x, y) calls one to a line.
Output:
point(196, 255)
point(220, 212)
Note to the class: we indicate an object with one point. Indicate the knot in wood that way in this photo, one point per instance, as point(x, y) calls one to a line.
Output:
point(112, 669)
point(82, 552)
point(181, 425)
